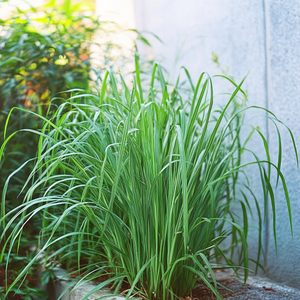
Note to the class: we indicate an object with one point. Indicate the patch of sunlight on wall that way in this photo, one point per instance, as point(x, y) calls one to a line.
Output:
point(120, 12)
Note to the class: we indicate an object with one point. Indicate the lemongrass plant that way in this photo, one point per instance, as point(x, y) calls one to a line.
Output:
point(140, 186)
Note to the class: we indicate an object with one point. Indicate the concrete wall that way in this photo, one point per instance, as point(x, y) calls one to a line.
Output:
point(283, 45)
point(255, 36)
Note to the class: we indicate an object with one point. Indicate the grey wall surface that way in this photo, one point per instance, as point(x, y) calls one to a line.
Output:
point(255, 36)
point(283, 52)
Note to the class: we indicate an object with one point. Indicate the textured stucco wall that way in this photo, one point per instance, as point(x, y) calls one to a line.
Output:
point(283, 52)
point(255, 36)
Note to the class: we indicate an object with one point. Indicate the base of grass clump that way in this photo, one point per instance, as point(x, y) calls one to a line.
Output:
point(141, 186)
point(229, 287)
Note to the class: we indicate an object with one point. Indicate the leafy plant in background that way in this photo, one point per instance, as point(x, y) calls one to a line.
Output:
point(139, 188)
point(40, 55)
point(39, 58)
point(18, 262)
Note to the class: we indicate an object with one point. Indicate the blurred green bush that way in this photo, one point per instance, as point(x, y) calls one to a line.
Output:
point(45, 52)
point(42, 54)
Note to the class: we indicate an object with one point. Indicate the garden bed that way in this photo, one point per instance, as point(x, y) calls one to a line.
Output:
point(256, 288)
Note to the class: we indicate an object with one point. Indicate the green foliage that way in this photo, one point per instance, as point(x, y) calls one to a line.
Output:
point(18, 262)
point(44, 52)
point(140, 186)
point(47, 276)
point(40, 55)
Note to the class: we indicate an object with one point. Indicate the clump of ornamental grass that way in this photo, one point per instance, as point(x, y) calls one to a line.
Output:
point(138, 186)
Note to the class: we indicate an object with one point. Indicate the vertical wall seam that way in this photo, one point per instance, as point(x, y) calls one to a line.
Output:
point(267, 105)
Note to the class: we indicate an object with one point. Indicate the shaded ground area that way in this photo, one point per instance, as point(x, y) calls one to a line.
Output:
point(255, 289)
